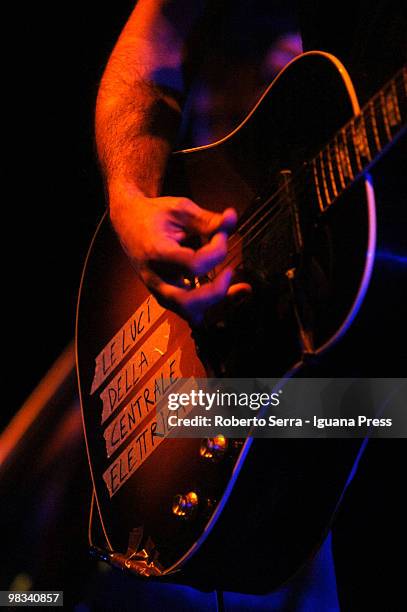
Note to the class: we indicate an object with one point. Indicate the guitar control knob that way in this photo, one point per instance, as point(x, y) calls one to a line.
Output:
point(213, 448)
point(184, 506)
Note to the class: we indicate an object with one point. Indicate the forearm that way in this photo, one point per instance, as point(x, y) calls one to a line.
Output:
point(138, 113)
point(139, 101)
point(128, 152)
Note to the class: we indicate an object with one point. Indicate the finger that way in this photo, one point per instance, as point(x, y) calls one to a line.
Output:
point(159, 286)
point(205, 222)
point(210, 255)
point(239, 289)
point(238, 292)
point(190, 304)
point(172, 253)
point(195, 263)
point(208, 294)
point(195, 303)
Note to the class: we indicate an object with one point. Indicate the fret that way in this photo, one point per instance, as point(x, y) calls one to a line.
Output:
point(390, 110)
point(370, 139)
point(384, 114)
point(344, 156)
point(357, 153)
point(353, 152)
point(372, 115)
point(331, 172)
point(393, 111)
point(358, 143)
point(317, 185)
point(324, 179)
point(338, 162)
point(396, 101)
point(401, 95)
point(335, 167)
point(380, 123)
point(361, 140)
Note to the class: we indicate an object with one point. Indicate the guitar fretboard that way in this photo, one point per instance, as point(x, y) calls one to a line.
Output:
point(359, 144)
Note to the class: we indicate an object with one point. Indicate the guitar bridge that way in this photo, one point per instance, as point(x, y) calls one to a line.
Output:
point(138, 563)
point(141, 562)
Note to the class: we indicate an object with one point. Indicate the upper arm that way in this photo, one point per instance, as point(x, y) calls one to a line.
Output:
point(155, 40)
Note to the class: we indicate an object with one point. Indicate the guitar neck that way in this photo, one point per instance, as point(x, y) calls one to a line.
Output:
point(360, 143)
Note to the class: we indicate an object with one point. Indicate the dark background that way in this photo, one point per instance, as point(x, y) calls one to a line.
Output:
point(52, 194)
point(52, 199)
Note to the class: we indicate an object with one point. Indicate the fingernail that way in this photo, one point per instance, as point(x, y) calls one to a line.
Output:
point(239, 290)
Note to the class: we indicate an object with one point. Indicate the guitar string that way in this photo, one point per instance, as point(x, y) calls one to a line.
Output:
point(271, 212)
point(356, 176)
point(274, 217)
point(348, 130)
point(235, 252)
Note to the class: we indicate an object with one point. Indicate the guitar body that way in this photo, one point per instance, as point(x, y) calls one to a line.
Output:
point(268, 503)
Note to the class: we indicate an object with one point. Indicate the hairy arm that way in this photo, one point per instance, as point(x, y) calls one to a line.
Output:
point(138, 113)
point(139, 100)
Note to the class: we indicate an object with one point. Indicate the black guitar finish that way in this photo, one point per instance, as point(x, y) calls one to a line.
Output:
point(307, 266)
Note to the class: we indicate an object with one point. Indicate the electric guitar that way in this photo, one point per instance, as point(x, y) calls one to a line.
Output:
point(237, 514)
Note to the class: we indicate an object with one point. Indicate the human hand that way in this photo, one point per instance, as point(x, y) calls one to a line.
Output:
point(154, 232)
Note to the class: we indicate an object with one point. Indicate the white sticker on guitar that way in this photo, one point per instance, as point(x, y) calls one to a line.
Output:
point(142, 404)
point(135, 369)
point(150, 437)
point(126, 338)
